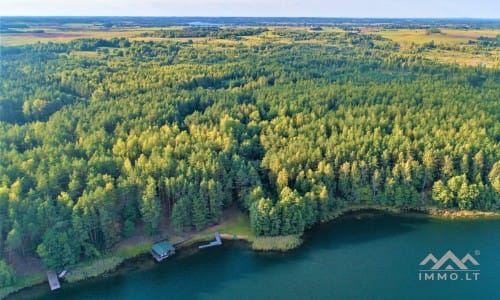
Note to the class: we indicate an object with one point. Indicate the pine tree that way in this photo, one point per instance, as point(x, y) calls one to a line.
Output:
point(201, 213)
point(215, 200)
point(181, 214)
point(467, 195)
point(150, 207)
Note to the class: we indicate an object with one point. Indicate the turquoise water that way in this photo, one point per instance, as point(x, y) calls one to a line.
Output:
point(367, 256)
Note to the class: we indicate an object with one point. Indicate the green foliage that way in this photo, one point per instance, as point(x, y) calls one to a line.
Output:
point(7, 275)
point(181, 214)
point(59, 248)
point(174, 132)
point(214, 32)
point(128, 228)
point(150, 206)
point(458, 192)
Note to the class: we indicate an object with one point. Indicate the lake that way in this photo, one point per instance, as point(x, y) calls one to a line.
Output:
point(361, 256)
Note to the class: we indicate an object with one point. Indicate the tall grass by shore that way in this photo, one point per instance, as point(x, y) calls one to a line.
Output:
point(96, 268)
point(276, 243)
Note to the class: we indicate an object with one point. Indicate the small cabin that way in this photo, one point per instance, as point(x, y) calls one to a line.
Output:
point(162, 250)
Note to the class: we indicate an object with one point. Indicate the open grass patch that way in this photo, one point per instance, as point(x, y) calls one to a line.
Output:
point(238, 224)
point(487, 59)
point(86, 54)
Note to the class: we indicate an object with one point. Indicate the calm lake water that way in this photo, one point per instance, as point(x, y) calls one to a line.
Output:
point(364, 256)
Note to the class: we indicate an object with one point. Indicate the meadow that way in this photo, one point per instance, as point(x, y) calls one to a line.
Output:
point(445, 45)
point(444, 36)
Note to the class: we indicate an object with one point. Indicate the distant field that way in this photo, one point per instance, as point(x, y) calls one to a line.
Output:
point(61, 35)
point(86, 54)
point(407, 38)
point(447, 36)
point(403, 36)
point(69, 32)
point(488, 59)
point(16, 39)
point(460, 51)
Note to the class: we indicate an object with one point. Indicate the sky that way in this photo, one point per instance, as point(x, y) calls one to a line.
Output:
point(257, 8)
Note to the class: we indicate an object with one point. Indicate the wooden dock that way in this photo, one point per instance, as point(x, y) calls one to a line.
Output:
point(53, 280)
point(217, 242)
point(182, 241)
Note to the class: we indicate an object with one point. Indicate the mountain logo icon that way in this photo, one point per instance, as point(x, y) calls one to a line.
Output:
point(449, 261)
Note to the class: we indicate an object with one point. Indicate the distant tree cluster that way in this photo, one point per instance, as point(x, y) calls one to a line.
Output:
point(204, 31)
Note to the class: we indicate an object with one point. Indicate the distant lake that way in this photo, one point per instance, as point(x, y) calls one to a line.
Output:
point(363, 256)
point(204, 24)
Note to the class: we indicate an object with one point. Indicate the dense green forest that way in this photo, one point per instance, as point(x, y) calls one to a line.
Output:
point(104, 139)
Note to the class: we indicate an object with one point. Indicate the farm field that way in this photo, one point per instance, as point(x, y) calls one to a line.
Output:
point(59, 36)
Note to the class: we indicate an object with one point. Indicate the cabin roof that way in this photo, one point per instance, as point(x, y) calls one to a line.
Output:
point(163, 248)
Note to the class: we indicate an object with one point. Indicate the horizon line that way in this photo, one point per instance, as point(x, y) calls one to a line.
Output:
point(239, 16)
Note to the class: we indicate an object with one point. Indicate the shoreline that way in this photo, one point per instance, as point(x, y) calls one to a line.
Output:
point(270, 243)
point(429, 211)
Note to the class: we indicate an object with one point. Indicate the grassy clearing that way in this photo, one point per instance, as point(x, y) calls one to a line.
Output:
point(471, 33)
point(276, 243)
point(460, 52)
point(238, 225)
point(487, 59)
point(235, 225)
point(86, 54)
point(419, 36)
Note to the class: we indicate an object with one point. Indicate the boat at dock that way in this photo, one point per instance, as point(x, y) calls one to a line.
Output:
point(53, 281)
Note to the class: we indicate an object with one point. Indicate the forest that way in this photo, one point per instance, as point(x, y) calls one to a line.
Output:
point(103, 139)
